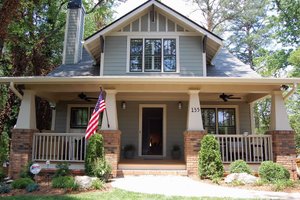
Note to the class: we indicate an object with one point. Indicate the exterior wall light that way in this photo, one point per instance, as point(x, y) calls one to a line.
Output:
point(179, 105)
point(123, 105)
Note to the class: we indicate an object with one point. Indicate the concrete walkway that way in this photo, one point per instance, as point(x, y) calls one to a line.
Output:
point(184, 186)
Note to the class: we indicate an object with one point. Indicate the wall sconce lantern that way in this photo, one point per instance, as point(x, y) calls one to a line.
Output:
point(123, 105)
point(179, 105)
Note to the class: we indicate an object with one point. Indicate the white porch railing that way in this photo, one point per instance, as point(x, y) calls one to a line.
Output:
point(251, 148)
point(59, 147)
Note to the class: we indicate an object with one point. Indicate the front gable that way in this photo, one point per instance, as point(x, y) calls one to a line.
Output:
point(111, 46)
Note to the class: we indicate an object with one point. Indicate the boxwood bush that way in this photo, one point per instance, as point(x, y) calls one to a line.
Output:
point(239, 166)
point(273, 172)
point(95, 163)
point(21, 183)
point(210, 163)
point(64, 182)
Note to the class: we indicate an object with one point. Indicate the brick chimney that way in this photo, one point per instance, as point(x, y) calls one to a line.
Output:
point(72, 53)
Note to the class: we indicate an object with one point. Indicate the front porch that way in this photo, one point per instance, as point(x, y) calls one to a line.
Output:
point(153, 118)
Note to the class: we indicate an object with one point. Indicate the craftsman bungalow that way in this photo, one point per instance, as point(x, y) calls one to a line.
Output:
point(168, 81)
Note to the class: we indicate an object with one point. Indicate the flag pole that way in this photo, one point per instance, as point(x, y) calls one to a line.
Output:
point(105, 111)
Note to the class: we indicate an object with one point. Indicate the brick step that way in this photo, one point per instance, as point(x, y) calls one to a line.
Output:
point(136, 172)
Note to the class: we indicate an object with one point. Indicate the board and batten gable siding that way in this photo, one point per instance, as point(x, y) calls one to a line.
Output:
point(115, 56)
point(191, 63)
point(129, 123)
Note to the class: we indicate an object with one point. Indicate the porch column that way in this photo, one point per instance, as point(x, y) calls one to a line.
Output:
point(22, 135)
point(194, 133)
point(110, 121)
point(27, 115)
point(194, 119)
point(111, 134)
point(283, 137)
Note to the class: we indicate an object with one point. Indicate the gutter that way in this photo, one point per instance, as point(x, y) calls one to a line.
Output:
point(14, 90)
point(291, 92)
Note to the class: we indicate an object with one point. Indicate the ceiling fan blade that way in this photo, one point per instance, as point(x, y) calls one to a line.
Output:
point(234, 98)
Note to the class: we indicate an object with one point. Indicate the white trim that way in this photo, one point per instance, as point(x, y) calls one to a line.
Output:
point(204, 64)
point(77, 39)
point(101, 63)
point(164, 106)
point(237, 116)
point(66, 36)
point(165, 9)
point(77, 130)
point(146, 36)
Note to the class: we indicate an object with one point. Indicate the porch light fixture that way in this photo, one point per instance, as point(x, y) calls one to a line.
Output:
point(179, 105)
point(123, 105)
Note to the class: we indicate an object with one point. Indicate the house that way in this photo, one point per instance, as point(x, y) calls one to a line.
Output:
point(168, 81)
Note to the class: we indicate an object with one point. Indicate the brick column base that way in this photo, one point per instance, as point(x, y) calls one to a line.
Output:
point(284, 150)
point(21, 150)
point(112, 143)
point(192, 141)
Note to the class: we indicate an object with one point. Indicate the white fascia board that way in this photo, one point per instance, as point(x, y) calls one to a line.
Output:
point(149, 79)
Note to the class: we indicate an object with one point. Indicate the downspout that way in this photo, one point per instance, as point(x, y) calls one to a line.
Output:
point(291, 92)
point(14, 90)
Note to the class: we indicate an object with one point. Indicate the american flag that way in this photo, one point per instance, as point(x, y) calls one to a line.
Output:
point(93, 123)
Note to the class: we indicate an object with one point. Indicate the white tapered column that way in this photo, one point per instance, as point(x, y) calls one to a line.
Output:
point(27, 115)
point(279, 116)
point(194, 119)
point(110, 117)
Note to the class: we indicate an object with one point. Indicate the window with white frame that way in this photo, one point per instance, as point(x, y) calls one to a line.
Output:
point(80, 116)
point(219, 120)
point(152, 55)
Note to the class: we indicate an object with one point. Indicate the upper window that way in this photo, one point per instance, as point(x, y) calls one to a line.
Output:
point(152, 55)
point(219, 120)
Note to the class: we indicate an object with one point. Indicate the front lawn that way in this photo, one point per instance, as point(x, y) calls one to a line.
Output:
point(115, 194)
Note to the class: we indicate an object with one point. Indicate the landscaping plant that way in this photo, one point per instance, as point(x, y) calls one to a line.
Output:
point(97, 184)
point(95, 163)
point(210, 164)
point(4, 188)
point(67, 182)
point(62, 169)
point(239, 166)
point(32, 187)
point(25, 171)
point(21, 183)
point(273, 172)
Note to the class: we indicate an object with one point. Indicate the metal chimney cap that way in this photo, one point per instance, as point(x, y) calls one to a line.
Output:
point(73, 4)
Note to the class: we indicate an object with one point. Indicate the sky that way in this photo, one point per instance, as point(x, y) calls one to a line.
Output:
point(179, 5)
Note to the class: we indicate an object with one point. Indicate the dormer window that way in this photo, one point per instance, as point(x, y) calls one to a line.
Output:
point(153, 55)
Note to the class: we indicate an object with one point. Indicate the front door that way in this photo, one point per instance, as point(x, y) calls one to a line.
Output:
point(152, 134)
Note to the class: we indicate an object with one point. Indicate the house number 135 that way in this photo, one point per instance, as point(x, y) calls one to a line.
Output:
point(195, 109)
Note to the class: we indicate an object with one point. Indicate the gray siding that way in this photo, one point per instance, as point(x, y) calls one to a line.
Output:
point(115, 55)
point(191, 63)
point(129, 124)
point(61, 117)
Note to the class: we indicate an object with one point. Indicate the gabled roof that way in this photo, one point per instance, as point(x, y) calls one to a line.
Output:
point(93, 42)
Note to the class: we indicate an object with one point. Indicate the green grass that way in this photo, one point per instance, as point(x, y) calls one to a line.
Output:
point(114, 194)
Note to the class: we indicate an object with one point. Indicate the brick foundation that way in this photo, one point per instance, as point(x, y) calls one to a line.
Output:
point(112, 146)
point(21, 150)
point(192, 141)
point(284, 150)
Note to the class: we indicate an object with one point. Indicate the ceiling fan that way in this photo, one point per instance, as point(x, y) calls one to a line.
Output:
point(85, 97)
point(225, 97)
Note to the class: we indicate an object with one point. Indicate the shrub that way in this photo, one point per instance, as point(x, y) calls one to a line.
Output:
point(25, 171)
point(21, 183)
point(67, 182)
point(239, 166)
point(95, 163)
point(97, 184)
point(32, 187)
point(272, 172)
point(210, 164)
point(2, 175)
point(101, 169)
point(4, 188)
point(62, 169)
